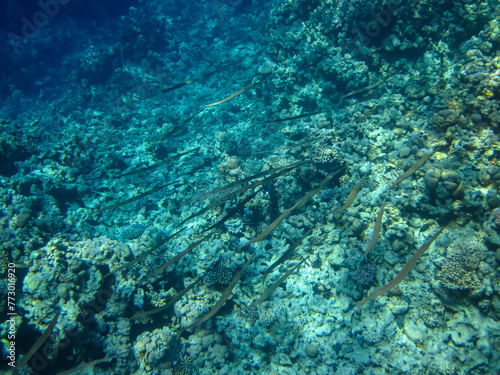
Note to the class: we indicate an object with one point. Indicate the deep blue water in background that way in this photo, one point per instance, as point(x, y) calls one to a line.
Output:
point(81, 17)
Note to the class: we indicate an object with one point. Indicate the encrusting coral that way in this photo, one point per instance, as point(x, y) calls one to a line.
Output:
point(460, 268)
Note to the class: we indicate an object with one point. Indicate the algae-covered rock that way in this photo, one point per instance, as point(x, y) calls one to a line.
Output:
point(311, 351)
point(23, 217)
point(416, 331)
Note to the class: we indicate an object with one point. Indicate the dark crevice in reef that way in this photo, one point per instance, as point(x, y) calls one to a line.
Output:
point(64, 197)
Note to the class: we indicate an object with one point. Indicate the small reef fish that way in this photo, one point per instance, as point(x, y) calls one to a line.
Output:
point(426, 226)
point(408, 114)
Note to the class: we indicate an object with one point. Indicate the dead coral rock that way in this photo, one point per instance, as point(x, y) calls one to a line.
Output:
point(311, 350)
point(323, 123)
point(489, 175)
point(494, 172)
point(23, 218)
point(229, 166)
point(232, 162)
point(432, 177)
point(483, 177)
point(451, 181)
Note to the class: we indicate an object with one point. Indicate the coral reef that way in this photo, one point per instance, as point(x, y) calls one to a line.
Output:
point(460, 269)
point(364, 275)
point(267, 187)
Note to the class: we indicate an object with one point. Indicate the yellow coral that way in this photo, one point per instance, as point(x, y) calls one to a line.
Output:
point(488, 94)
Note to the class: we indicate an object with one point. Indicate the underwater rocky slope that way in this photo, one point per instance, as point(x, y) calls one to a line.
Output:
point(223, 187)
